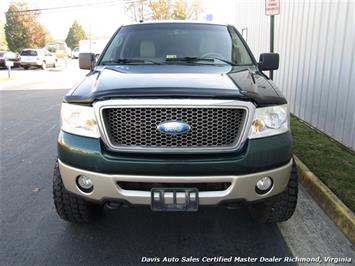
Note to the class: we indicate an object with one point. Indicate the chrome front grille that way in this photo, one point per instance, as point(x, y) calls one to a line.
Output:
point(134, 127)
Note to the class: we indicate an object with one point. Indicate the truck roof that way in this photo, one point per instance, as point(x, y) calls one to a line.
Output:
point(175, 22)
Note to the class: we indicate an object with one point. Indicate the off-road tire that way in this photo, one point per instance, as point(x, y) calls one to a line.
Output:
point(281, 207)
point(70, 207)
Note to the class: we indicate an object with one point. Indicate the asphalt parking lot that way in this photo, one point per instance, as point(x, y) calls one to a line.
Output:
point(32, 233)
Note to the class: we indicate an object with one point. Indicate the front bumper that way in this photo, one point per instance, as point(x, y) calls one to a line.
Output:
point(33, 63)
point(242, 186)
point(271, 156)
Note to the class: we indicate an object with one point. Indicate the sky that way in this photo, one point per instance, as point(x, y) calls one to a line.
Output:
point(101, 18)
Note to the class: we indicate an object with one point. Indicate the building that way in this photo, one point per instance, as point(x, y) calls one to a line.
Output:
point(316, 43)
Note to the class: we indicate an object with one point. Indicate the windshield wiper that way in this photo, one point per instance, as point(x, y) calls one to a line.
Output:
point(188, 59)
point(224, 61)
point(129, 61)
point(196, 59)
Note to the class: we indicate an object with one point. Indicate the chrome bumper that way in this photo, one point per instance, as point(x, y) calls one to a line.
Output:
point(242, 186)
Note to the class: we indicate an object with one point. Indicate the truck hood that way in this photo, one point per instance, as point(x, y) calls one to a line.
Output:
point(175, 81)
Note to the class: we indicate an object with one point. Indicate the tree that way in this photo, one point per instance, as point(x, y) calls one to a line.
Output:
point(49, 37)
point(160, 9)
point(195, 9)
point(22, 29)
point(138, 10)
point(180, 10)
point(75, 34)
point(3, 43)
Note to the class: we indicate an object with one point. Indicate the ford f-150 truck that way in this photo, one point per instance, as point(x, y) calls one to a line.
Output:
point(175, 116)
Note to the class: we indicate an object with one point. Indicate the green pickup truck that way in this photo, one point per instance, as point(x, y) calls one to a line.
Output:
point(175, 116)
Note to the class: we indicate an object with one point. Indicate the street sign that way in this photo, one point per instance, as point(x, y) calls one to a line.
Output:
point(209, 17)
point(272, 7)
point(9, 63)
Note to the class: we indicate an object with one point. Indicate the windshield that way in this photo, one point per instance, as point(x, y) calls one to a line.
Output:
point(29, 53)
point(173, 41)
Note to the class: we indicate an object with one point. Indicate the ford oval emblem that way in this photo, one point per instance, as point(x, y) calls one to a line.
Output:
point(173, 127)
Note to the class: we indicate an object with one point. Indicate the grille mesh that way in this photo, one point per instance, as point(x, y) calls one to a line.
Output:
point(137, 127)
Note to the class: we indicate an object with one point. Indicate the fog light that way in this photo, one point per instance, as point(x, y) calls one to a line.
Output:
point(84, 183)
point(263, 185)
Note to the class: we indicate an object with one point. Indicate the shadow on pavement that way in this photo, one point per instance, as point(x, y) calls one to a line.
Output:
point(127, 235)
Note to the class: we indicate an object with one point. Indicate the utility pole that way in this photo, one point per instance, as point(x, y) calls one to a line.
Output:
point(90, 36)
point(142, 7)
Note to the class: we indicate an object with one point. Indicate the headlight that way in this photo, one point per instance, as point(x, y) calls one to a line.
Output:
point(79, 120)
point(269, 121)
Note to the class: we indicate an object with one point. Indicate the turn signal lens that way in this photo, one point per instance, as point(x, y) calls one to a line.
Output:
point(258, 125)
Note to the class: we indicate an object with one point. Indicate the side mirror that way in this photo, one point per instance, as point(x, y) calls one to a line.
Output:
point(87, 60)
point(269, 61)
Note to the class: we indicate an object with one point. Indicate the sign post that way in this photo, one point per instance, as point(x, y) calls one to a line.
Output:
point(9, 64)
point(272, 8)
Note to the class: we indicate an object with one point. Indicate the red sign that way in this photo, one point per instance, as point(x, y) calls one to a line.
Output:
point(272, 7)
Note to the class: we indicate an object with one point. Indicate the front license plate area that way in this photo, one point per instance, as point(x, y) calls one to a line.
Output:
point(174, 199)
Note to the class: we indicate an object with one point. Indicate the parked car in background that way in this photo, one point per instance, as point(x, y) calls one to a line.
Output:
point(59, 49)
point(37, 58)
point(9, 56)
point(75, 53)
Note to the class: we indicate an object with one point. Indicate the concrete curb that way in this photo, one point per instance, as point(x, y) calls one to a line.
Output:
point(341, 215)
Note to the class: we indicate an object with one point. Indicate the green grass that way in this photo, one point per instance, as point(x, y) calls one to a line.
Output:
point(6, 79)
point(333, 163)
